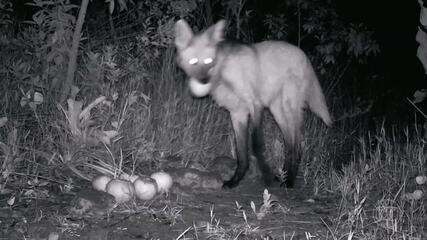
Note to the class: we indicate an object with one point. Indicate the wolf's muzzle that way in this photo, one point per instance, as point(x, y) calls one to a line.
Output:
point(204, 80)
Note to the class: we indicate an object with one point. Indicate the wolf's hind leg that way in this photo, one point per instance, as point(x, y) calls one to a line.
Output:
point(258, 147)
point(289, 120)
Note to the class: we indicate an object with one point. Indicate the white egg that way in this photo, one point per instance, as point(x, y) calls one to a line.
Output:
point(163, 180)
point(145, 188)
point(100, 182)
point(417, 194)
point(121, 190)
point(199, 89)
point(421, 180)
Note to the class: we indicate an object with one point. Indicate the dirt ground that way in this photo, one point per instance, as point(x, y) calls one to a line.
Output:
point(183, 214)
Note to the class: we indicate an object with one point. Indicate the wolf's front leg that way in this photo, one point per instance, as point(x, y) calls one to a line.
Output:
point(240, 126)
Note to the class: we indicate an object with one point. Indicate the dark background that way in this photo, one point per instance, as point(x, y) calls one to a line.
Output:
point(395, 24)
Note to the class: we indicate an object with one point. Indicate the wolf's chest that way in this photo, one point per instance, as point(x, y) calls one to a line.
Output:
point(232, 99)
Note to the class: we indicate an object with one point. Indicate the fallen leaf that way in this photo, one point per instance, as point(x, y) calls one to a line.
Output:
point(38, 98)
point(3, 121)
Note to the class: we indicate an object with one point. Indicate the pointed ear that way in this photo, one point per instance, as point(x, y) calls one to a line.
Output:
point(216, 31)
point(183, 34)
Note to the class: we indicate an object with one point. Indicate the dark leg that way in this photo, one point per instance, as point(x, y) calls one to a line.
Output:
point(291, 166)
point(240, 126)
point(259, 148)
point(289, 121)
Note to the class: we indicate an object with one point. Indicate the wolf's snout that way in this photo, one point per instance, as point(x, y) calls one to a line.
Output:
point(204, 80)
point(201, 73)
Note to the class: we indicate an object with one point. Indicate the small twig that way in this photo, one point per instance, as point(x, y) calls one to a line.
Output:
point(87, 109)
point(340, 77)
point(329, 229)
point(38, 176)
point(183, 233)
point(417, 108)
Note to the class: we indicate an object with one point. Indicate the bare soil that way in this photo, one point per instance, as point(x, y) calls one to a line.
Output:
point(184, 214)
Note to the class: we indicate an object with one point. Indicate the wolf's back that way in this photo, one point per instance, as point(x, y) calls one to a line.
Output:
point(286, 68)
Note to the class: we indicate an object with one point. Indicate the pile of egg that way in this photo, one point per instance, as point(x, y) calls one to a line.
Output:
point(127, 186)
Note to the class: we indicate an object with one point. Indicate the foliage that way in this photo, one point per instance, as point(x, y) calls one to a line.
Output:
point(158, 19)
point(344, 41)
point(5, 12)
point(122, 4)
point(238, 16)
point(43, 47)
point(421, 37)
point(277, 26)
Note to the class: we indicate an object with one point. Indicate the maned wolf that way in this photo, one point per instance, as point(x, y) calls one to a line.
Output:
point(245, 79)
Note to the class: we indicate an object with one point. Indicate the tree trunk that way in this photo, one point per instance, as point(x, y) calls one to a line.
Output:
point(112, 28)
point(72, 64)
point(208, 12)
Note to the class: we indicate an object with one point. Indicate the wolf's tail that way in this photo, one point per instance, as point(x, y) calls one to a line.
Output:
point(317, 102)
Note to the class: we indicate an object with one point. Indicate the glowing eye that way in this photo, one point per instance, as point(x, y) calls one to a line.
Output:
point(193, 61)
point(208, 60)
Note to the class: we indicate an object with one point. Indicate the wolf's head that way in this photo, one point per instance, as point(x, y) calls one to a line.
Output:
point(197, 54)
